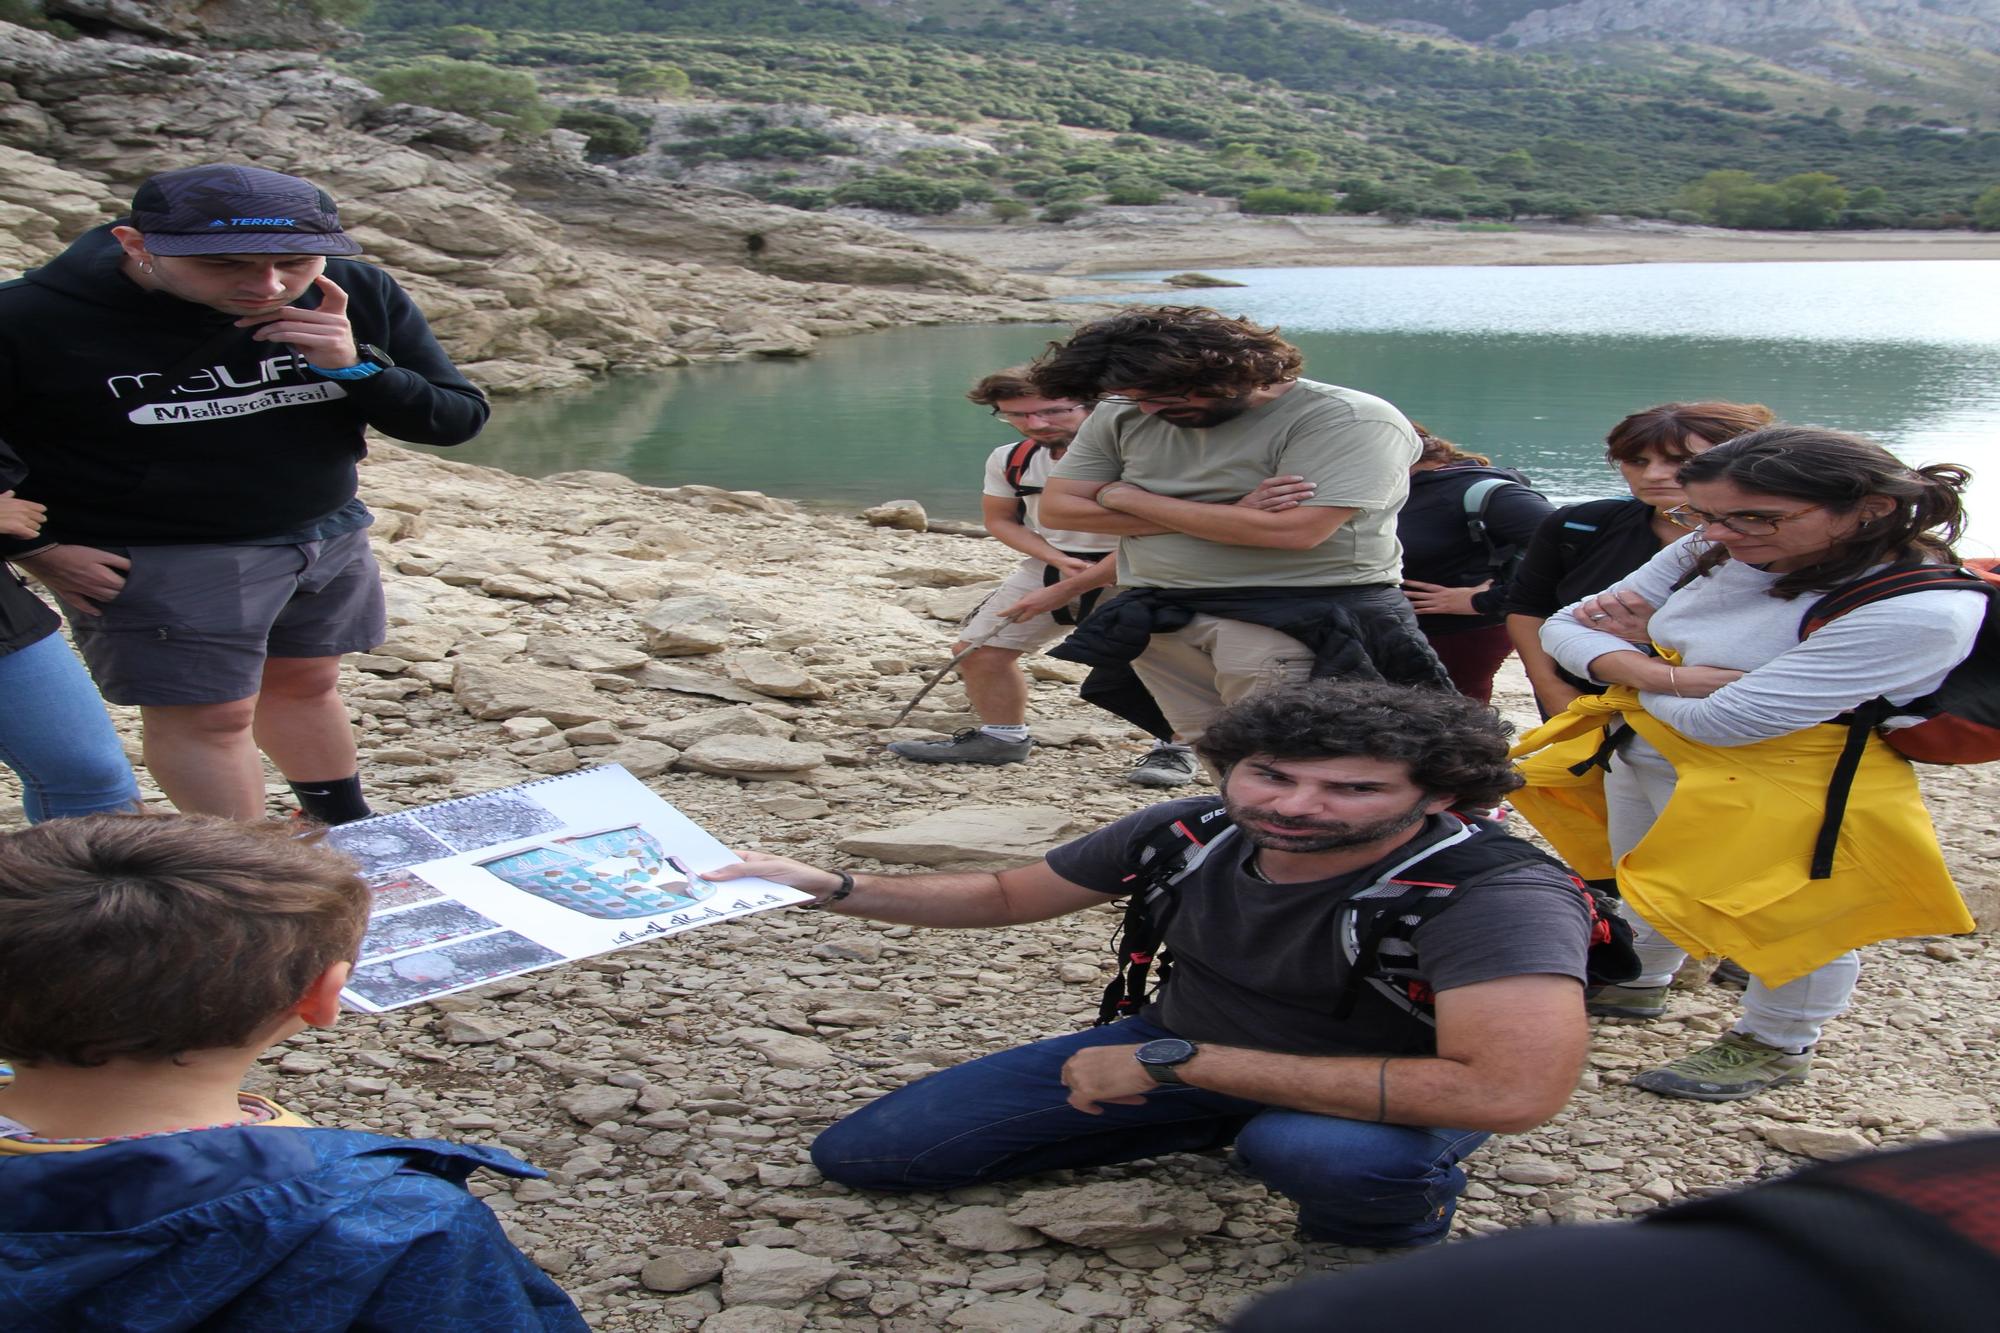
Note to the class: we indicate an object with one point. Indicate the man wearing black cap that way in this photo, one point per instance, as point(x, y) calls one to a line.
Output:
point(188, 389)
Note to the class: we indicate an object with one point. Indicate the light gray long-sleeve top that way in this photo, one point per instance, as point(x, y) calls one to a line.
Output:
point(1900, 648)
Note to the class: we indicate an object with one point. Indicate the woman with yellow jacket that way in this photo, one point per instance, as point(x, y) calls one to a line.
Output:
point(1715, 757)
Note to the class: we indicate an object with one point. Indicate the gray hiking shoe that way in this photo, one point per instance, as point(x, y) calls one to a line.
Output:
point(1625, 1001)
point(1165, 765)
point(971, 746)
point(1733, 1068)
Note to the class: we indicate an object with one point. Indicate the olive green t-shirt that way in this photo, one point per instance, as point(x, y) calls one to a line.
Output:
point(1355, 446)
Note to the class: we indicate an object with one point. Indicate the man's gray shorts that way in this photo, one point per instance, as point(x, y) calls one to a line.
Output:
point(195, 623)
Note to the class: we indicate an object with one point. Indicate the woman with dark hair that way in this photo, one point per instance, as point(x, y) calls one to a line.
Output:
point(1721, 781)
point(1581, 548)
point(1463, 525)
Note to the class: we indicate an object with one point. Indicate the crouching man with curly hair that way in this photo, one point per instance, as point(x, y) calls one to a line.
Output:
point(1351, 1056)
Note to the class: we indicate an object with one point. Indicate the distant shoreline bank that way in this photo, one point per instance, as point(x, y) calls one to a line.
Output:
point(1120, 242)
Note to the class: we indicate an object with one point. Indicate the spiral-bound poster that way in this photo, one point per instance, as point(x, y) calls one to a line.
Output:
point(482, 887)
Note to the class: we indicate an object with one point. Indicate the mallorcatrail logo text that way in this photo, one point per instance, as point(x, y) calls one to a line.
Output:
point(214, 409)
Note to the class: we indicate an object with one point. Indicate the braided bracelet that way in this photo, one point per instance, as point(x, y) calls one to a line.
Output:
point(846, 887)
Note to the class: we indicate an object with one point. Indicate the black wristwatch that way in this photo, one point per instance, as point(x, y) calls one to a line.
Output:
point(373, 362)
point(1163, 1058)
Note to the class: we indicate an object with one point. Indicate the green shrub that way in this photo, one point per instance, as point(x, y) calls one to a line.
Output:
point(654, 81)
point(1135, 193)
point(1986, 209)
point(1278, 199)
point(1066, 209)
point(610, 136)
point(509, 99)
point(898, 193)
point(1008, 210)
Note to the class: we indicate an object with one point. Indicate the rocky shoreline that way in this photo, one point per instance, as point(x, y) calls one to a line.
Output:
point(740, 654)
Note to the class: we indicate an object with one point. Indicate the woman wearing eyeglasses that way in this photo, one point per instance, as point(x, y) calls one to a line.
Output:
point(1581, 548)
point(1715, 757)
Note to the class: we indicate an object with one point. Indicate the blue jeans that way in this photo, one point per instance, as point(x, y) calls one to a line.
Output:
point(1006, 1115)
point(56, 737)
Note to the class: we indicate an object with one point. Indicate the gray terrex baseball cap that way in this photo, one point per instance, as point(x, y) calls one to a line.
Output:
point(231, 210)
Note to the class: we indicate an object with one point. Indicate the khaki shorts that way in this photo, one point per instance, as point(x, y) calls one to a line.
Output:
point(1195, 672)
point(194, 624)
point(1023, 636)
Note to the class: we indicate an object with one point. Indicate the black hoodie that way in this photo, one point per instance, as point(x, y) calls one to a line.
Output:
point(146, 419)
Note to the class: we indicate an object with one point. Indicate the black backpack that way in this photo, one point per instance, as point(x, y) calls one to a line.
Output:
point(1376, 924)
point(1501, 557)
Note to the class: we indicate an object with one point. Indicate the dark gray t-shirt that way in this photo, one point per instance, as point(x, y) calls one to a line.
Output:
point(1260, 965)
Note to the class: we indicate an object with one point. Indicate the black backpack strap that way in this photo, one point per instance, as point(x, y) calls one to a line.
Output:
point(1391, 908)
point(1616, 737)
point(1895, 581)
point(1084, 604)
point(1164, 856)
point(1861, 724)
point(1379, 924)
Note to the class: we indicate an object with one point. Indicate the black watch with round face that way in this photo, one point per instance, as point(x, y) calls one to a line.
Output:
point(1163, 1058)
point(370, 352)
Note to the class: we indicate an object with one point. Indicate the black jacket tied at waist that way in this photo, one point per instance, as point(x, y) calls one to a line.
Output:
point(1359, 633)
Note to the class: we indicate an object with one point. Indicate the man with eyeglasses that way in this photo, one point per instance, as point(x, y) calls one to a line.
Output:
point(1059, 579)
point(1255, 512)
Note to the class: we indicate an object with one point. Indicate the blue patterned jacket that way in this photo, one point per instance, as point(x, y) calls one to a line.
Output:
point(265, 1228)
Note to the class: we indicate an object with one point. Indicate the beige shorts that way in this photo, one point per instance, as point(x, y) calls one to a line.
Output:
point(1024, 636)
point(1195, 672)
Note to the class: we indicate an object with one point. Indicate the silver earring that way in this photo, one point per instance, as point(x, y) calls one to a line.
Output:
point(145, 267)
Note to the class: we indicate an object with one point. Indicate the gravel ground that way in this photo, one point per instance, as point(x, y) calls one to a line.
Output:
point(671, 1089)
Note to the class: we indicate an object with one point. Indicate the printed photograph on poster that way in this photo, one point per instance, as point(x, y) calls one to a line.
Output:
point(396, 932)
point(400, 889)
point(553, 870)
point(487, 821)
point(445, 968)
point(392, 842)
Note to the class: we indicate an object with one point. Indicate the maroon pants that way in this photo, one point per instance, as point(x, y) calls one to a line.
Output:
point(1473, 657)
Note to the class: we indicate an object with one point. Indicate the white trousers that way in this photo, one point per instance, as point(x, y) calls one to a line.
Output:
point(1789, 1016)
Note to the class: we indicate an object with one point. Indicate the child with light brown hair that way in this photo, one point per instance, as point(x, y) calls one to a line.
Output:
point(146, 962)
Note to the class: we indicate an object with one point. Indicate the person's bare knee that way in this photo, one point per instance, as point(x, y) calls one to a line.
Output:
point(986, 663)
point(215, 724)
point(300, 678)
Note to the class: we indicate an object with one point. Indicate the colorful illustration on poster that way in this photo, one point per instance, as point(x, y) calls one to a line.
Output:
point(556, 869)
point(613, 874)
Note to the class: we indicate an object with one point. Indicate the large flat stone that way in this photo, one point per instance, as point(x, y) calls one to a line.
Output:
point(493, 691)
point(968, 834)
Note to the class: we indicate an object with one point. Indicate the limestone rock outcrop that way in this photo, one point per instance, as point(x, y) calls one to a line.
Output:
point(537, 270)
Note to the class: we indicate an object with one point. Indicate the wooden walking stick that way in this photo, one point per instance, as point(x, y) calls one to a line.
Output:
point(945, 670)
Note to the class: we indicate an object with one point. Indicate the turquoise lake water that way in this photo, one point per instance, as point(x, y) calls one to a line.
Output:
point(1530, 365)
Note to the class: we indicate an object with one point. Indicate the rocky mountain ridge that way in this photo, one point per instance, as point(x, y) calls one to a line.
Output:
point(1762, 25)
point(1758, 24)
point(537, 269)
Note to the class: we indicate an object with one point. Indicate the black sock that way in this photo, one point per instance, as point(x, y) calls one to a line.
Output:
point(336, 801)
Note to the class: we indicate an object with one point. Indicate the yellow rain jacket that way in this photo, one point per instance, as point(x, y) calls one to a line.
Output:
point(1725, 868)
